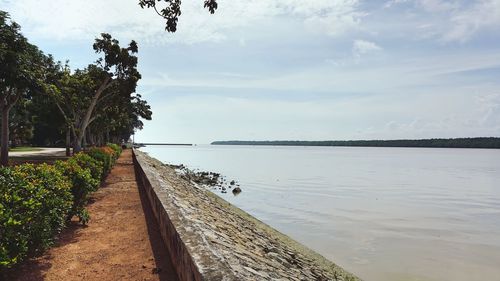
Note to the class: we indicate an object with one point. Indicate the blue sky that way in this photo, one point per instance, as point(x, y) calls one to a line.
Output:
point(294, 69)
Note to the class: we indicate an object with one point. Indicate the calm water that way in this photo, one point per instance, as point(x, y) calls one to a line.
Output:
point(382, 213)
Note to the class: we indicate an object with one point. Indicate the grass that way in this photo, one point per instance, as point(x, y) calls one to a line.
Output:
point(24, 149)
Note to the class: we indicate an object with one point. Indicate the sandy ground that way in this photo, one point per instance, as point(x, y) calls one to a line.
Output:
point(121, 242)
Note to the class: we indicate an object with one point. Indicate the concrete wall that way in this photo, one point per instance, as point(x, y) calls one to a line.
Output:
point(181, 259)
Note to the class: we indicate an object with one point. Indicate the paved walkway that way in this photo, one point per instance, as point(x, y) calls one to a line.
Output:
point(121, 241)
point(40, 151)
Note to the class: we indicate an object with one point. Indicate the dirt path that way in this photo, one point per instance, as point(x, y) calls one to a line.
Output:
point(121, 242)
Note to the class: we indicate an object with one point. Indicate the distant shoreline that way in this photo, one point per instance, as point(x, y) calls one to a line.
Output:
point(175, 144)
point(480, 142)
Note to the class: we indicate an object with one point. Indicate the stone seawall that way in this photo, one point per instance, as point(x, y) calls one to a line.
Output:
point(210, 239)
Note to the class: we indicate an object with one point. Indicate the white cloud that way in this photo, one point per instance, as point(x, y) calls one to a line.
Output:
point(449, 20)
point(428, 5)
point(391, 3)
point(489, 105)
point(61, 20)
point(401, 75)
point(465, 23)
point(361, 47)
point(435, 6)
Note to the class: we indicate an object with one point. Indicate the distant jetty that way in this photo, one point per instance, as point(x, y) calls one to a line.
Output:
point(480, 142)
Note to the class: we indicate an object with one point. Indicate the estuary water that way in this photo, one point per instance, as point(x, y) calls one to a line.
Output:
point(382, 213)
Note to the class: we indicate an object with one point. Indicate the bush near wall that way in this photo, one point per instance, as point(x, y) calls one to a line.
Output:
point(36, 201)
point(106, 155)
point(118, 150)
point(82, 184)
point(86, 161)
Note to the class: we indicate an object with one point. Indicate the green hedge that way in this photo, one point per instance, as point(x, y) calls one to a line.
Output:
point(34, 204)
point(36, 201)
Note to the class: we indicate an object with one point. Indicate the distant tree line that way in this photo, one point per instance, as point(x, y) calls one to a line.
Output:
point(44, 102)
point(486, 142)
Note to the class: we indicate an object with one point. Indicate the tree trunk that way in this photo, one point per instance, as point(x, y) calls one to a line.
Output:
point(84, 141)
point(77, 142)
point(91, 138)
point(88, 115)
point(4, 153)
point(68, 141)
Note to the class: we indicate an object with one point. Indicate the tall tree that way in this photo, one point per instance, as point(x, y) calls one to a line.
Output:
point(20, 64)
point(81, 95)
point(172, 10)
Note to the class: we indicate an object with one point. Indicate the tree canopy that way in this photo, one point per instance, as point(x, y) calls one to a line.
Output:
point(45, 102)
point(20, 71)
point(98, 93)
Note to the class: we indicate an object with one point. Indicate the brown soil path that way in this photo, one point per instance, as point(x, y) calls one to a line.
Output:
point(121, 241)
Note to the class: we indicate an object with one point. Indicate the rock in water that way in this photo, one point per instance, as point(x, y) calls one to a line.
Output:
point(236, 190)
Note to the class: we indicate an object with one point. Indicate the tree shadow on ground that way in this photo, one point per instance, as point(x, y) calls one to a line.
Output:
point(34, 268)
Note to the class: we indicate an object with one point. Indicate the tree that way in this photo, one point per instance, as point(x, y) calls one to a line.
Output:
point(81, 96)
point(55, 83)
point(172, 11)
point(21, 123)
point(19, 67)
point(49, 126)
point(119, 119)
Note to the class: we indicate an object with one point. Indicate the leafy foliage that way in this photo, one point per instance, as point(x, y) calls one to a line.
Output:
point(37, 200)
point(20, 71)
point(99, 102)
point(172, 10)
point(88, 162)
point(105, 155)
point(82, 184)
point(116, 148)
point(34, 204)
point(21, 122)
point(93, 105)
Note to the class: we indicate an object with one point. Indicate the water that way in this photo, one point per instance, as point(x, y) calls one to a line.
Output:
point(382, 213)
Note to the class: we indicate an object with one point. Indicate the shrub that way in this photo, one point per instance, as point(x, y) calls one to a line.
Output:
point(82, 184)
point(105, 155)
point(117, 149)
point(108, 150)
point(34, 204)
point(88, 162)
point(37, 200)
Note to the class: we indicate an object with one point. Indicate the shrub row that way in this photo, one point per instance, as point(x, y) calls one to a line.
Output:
point(36, 201)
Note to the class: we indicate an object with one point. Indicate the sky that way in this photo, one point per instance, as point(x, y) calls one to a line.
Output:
point(295, 69)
